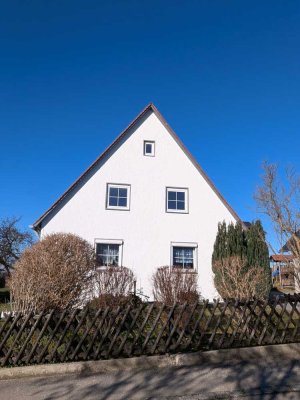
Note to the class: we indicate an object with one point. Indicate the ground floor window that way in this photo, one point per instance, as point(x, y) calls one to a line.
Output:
point(184, 255)
point(108, 253)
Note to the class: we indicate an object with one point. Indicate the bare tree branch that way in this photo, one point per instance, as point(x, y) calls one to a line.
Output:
point(236, 282)
point(279, 199)
point(12, 242)
point(174, 285)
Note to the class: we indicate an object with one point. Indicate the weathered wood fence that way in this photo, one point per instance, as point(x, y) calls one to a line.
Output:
point(146, 329)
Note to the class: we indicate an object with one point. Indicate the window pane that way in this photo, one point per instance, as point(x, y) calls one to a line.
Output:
point(148, 149)
point(122, 202)
point(172, 205)
point(113, 192)
point(180, 205)
point(107, 254)
point(113, 201)
point(177, 251)
point(171, 195)
point(101, 248)
point(189, 264)
point(114, 249)
point(188, 252)
point(123, 192)
point(180, 196)
point(112, 260)
point(183, 257)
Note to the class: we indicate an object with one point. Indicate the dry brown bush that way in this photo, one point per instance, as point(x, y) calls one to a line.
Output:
point(238, 282)
point(114, 285)
point(55, 273)
point(175, 285)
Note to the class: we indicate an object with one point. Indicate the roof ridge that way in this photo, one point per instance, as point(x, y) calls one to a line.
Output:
point(152, 107)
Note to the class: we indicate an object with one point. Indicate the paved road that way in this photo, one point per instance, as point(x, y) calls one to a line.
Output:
point(240, 380)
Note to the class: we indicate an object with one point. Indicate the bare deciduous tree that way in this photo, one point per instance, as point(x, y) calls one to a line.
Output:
point(175, 285)
point(55, 273)
point(12, 242)
point(235, 281)
point(279, 199)
point(114, 285)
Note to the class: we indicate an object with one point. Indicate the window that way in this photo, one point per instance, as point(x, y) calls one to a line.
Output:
point(184, 256)
point(177, 200)
point(118, 197)
point(149, 148)
point(108, 252)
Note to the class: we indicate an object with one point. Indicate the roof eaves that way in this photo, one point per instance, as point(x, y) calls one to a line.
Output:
point(150, 106)
point(37, 223)
point(197, 165)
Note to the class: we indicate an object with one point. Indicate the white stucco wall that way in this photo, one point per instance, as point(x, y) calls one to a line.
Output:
point(147, 229)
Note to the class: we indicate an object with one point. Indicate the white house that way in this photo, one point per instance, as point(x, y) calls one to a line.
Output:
point(144, 203)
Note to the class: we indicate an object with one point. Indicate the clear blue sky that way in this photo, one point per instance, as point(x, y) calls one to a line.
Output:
point(73, 74)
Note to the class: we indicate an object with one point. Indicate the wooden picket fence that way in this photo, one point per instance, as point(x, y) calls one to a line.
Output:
point(146, 329)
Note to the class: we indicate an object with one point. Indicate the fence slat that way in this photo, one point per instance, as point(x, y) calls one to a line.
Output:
point(188, 321)
point(230, 319)
point(74, 334)
point(147, 328)
point(89, 327)
point(72, 316)
point(175, 327)
point(139, 333)
point(118, 330)
point(208, 323)
point(32, 330)
point(28, 358)
point(129, 330)
point(105, 334)
point(14, 322)
point(61, 317)
point(162, 329)
point(218, 323)
point(153, 327)
point(99, 326)
point(16, 338)
point(198, 320)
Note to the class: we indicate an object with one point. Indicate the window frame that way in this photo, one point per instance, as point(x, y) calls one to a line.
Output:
point(119, 242)
point(178, 190)
point(152, 143)
point(118, 186)
point(192, 245)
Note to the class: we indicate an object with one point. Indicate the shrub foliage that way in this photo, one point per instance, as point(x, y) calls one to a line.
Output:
point(175, 285)
point(114, 285)
point(55, 273)
point(242, 252)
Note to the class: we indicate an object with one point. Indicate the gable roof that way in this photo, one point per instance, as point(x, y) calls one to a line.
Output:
point(291, 241)
point(150, 107)
point(281, 258)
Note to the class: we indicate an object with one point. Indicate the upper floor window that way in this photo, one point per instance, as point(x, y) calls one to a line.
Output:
point(118, 197)
point(149, 148)
point(177, 200)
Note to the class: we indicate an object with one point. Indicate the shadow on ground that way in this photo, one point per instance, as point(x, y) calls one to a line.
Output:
point(257, 379)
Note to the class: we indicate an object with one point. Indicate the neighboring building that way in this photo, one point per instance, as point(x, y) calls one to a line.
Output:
point(145, 203)
point(283, 271)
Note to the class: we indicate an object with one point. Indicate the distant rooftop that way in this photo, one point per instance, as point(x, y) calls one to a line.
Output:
point(281, 258)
